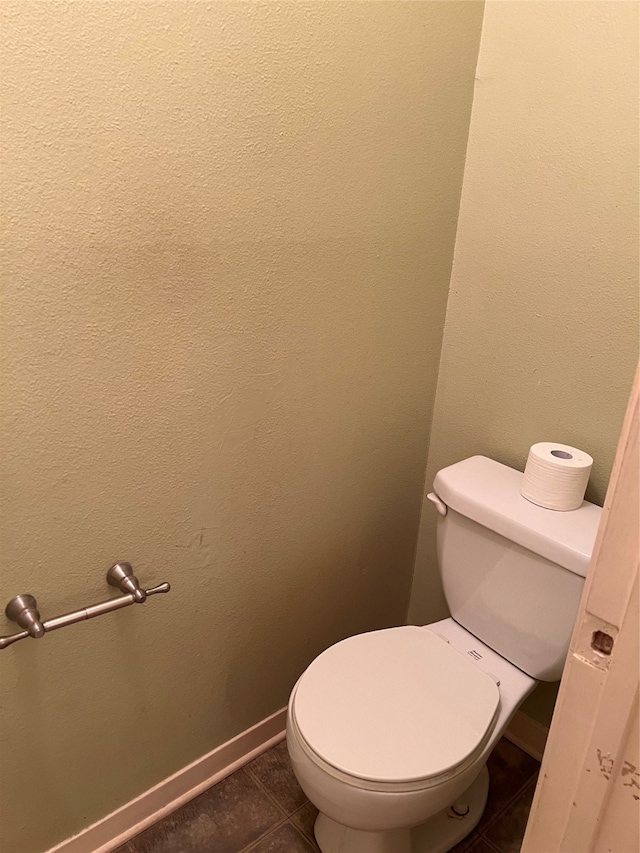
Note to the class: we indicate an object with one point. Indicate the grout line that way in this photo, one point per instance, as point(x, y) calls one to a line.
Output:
point(310, 841)
point(263, 787)
point(299, 809)
point(469, 840)
point(271, 796)
point(532, 781)
point(264, 835)
point(266, 791)
point(490, 844)
point(509, 802)
point(312, 845)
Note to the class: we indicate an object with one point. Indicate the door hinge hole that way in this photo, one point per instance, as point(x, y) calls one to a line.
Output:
point(602, 643)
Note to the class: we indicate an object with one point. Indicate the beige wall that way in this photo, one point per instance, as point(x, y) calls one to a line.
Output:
point(228, 239)
point(541, 334)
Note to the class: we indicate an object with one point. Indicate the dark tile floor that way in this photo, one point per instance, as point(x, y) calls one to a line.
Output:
point(260, 808)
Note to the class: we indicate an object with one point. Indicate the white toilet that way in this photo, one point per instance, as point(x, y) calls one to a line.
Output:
point(389, 732)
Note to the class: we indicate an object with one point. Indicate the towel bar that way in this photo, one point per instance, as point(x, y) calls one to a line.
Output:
point(23, 609)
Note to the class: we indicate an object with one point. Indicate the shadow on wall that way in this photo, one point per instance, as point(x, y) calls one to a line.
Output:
point(319, 589)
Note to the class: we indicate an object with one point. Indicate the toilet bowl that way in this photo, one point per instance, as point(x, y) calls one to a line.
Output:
point(434, 712)
point(389, 732)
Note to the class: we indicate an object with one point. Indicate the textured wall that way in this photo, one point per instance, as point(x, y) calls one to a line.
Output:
point(541, 334)
point(228, 238)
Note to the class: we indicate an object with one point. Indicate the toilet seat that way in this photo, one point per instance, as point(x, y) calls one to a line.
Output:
point(397, 709)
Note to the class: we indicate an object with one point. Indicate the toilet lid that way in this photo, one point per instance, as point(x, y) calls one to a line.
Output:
point(397, 705)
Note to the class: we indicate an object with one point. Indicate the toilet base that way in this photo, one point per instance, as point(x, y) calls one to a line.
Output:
point(437, 835)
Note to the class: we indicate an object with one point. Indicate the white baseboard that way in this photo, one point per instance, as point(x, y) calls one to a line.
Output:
point(528, 734)
point(168, 795)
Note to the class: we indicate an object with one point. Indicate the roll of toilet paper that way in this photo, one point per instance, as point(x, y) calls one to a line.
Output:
point(556, 476)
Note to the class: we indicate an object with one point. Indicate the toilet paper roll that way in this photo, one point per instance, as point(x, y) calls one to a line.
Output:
point(556, 476)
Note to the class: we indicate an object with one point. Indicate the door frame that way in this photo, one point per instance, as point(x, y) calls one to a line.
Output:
point(588, 793)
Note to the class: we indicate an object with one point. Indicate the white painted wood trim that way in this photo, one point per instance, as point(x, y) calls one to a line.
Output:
point(168, 795)
point(528, 734)
point(588, 793)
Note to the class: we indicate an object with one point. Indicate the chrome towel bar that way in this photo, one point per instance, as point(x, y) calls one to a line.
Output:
point(23, 609)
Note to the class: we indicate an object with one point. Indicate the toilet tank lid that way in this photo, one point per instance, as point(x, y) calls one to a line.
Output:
point(488, 493)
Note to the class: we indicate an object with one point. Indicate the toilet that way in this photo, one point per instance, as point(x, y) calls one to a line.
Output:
point(389, 732)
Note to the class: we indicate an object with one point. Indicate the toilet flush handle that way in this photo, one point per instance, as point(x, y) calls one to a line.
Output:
point(440, 505)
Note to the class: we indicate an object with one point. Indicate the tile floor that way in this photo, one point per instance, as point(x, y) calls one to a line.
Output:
point(260, 808)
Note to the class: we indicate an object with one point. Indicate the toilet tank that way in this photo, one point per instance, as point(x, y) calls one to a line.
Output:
point(512, 571)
